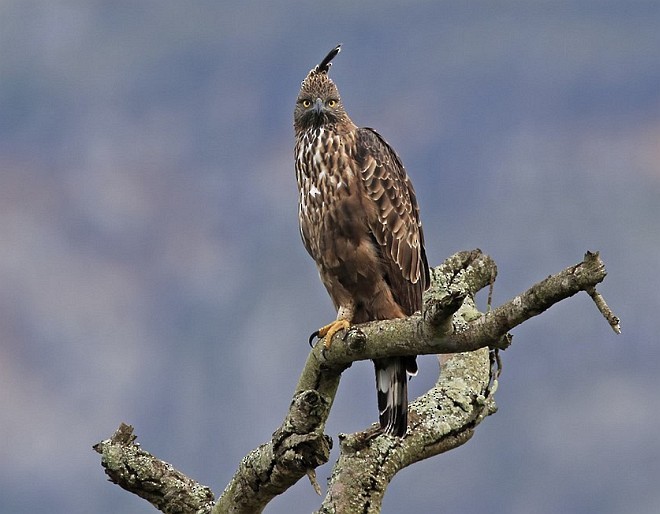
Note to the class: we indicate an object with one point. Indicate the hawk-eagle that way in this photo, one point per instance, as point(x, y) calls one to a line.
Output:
point(359, 220)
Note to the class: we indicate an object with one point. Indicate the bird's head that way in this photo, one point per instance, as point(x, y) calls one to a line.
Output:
point(318, 102)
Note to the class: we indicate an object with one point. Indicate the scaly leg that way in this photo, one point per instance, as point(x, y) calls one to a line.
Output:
point(328, 331)
point(343, 322)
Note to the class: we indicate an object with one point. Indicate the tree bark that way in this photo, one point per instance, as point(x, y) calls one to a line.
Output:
point(443, 418)
point(156, 481)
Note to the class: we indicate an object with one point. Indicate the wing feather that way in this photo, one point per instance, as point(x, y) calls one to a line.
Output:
point(395, 224)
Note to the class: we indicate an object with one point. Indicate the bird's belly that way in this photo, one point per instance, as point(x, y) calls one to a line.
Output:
point(346, 256)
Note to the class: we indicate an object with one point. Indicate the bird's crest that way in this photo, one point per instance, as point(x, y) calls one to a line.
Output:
point(324, 65)
point(321, 69)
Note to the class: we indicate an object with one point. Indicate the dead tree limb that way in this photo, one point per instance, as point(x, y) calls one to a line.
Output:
point(139, 472)
point(441, 419)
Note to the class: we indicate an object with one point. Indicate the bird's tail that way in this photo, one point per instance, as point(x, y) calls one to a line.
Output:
point(392, 386)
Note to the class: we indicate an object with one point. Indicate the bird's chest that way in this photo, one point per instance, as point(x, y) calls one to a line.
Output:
point(325, 176)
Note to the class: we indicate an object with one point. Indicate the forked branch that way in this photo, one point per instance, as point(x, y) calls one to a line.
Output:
point(441, 419)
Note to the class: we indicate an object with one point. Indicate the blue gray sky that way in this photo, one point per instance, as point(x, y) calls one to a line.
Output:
point(151, 269)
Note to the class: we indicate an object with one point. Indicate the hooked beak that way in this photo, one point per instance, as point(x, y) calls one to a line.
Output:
point(318, 106)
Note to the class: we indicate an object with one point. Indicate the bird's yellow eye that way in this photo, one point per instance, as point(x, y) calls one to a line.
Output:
point(332, 103)
point(306, 103)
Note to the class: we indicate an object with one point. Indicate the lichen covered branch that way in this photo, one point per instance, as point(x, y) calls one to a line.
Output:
point(447, 415)
point(441, 419)
point(431, 333)
point(295, 450)
point(137, 471)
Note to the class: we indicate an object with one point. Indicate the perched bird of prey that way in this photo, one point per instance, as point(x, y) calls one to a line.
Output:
point(359, 220)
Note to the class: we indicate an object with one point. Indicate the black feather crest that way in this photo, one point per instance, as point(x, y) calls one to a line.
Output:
point(325, 64)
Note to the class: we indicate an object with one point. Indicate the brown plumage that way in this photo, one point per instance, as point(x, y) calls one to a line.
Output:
point(359, 220)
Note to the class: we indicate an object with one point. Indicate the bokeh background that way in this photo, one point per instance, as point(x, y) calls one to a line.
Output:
point(151, 269)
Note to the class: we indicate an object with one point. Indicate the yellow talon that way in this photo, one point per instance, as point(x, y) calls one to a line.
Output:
point(327, 332)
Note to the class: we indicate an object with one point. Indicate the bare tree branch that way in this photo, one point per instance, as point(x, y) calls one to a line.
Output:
point(441, 419)
point(137, 471)
point(297, 447)
point(604, 309)
point(428, 333)
point(319, 381)
point(447, 415)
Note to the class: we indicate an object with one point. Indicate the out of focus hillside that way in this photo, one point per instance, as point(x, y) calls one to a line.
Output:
point(150, 263)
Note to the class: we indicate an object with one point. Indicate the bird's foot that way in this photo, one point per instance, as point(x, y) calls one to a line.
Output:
point(328, 331)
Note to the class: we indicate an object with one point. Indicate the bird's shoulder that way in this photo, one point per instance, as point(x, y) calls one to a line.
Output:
point(371, 145)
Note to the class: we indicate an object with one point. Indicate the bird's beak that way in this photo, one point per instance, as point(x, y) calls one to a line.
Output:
point(318, 106)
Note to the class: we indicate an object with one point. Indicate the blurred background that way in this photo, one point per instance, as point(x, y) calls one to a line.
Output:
point(151, 269)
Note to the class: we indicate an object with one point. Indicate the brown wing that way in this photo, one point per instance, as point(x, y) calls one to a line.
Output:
point(396, 226)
